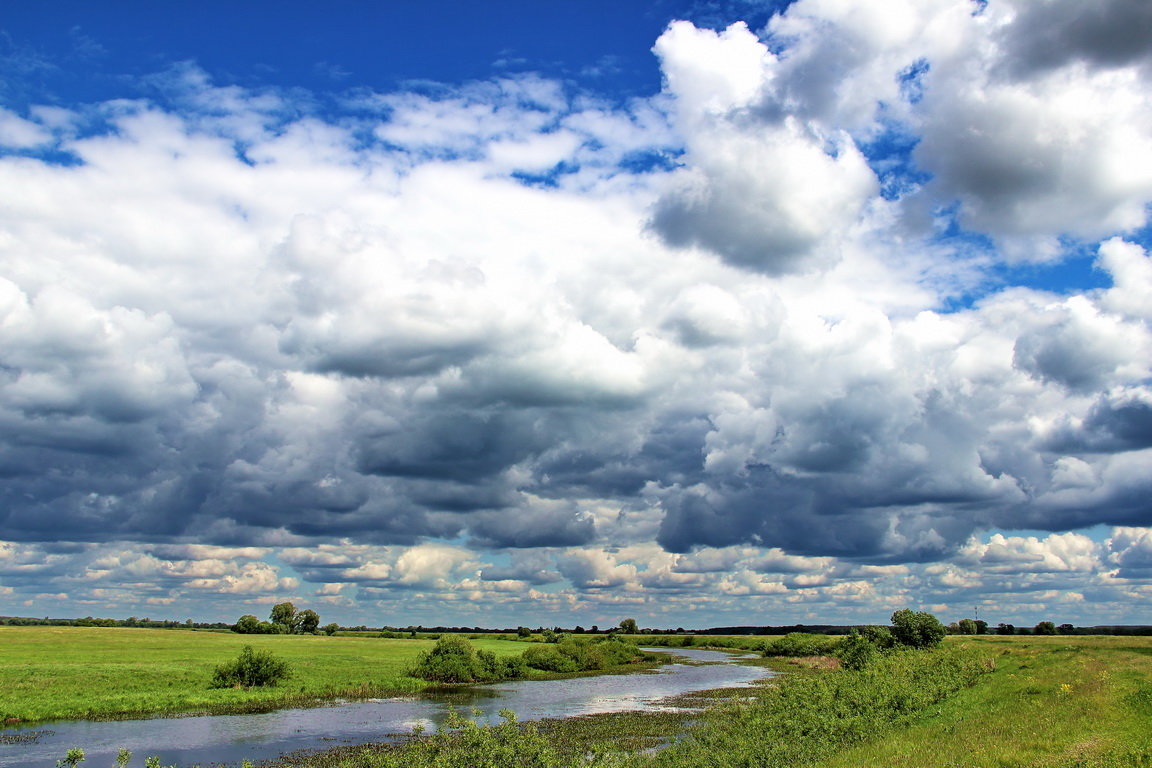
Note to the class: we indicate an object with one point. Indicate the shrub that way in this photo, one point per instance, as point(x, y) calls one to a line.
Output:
point(856, 651)
point(73, 757)
point(798, 644)
point(252, 668)
point(549, 658)
point(917, 629)
point(502, 667)
point(881, 637)
point(455, 660)
point(580, 654)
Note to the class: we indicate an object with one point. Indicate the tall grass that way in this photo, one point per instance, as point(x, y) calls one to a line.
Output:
point(807, 718)
point(1054, 702)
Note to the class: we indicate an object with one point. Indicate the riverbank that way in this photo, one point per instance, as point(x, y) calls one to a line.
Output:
point(100, 673)
point(1025, 702)
point(224, 739)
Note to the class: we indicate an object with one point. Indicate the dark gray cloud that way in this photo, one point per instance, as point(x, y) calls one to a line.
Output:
point(1052, 33)
point(533, 525)
point(456, 446)
point(1117, 422)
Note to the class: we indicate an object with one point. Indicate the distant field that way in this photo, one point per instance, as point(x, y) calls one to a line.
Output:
point(49, 673)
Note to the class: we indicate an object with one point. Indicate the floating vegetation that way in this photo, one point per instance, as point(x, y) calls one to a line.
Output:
point(24, 737)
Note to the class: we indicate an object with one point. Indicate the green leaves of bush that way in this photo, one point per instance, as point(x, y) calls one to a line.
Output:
point(580, 655)
point(917, 629)
point(799, 644)
point(455, 660)
point(252, 668)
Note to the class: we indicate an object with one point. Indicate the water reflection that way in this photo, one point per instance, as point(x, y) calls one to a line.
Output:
point(187, 741)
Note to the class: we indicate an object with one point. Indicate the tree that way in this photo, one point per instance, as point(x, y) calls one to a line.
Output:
point(967, 626)
point(1005, 629)
point(628, 626)
point(307, 621)
point(1066, 629)
point(1045, 628)
point(284, 616)
point(917, 629)
point(331, 629)
point(247, 625)
point(523, 632)
point(981, 627)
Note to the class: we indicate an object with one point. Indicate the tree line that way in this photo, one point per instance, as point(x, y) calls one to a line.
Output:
point(284, 620)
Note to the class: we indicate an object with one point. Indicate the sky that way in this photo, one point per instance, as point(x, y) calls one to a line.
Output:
point(489, 314)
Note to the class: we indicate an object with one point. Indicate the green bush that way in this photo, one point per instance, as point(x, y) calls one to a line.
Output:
point(549, 659)
point(798, 644)
point(454, 660)
point(917, 629)
point(581, 654)
point(74, 757)
point(856, 651)
point(252, 668)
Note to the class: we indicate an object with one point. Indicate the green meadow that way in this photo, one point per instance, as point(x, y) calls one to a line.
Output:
point(979, 702)
point(49, 673)
point(1052, 702)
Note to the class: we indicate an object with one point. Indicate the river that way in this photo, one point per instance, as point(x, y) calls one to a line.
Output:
point(229, 739)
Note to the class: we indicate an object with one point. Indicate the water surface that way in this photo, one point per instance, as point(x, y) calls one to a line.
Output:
point(229, 739)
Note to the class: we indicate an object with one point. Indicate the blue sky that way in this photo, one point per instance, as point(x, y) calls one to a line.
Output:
point(701, 313)
point(98, 52)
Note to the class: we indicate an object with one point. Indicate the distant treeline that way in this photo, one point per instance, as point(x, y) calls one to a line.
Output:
point(814, 629)
point(131, 621)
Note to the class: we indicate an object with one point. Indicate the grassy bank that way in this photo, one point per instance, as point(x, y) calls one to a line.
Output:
point(1053, 702)
point(1012, 702)
point(50, 673)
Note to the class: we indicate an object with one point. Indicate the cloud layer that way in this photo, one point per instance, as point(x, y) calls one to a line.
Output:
point(695, 358)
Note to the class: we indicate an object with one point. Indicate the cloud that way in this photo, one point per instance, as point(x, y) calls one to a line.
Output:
point(1050, 34)
point(18, 133)
point(1049, 149)
point(512, 345)
point(769, 197)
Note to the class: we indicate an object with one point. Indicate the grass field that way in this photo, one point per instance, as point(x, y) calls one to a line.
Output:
point(1035, 702)
point(1053, 702)
point(49, 673)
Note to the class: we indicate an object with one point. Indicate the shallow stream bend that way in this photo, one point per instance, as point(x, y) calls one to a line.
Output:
point(229, 739)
